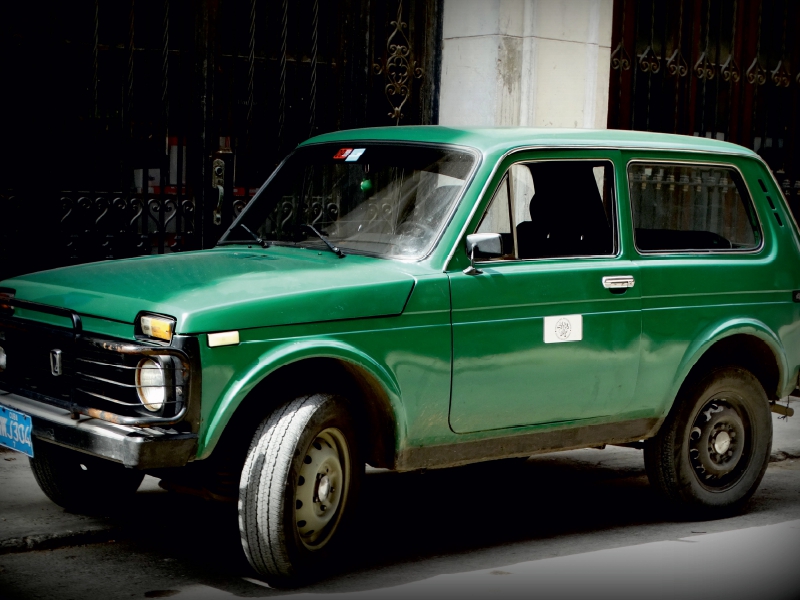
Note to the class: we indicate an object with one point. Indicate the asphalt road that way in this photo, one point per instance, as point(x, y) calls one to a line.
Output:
point(580, 524)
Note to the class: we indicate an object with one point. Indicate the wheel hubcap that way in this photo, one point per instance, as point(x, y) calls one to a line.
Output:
point(716, 442)
point(722, 441)
point(322, 487)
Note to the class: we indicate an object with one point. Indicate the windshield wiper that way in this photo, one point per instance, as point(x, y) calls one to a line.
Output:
point(330, 246)
point(258, 240)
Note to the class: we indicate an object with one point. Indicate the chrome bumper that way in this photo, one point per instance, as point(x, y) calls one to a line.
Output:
point(132, 446)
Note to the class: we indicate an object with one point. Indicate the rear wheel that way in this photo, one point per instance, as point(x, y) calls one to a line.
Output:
point(80, 482)
point(298, 489)
point(713, 449)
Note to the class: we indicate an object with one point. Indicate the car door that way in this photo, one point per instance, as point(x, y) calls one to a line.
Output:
point(550, 331)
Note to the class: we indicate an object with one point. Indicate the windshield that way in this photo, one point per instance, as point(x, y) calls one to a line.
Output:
point(382, 199)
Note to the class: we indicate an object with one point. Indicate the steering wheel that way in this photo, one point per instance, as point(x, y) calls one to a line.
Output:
point(410, 232)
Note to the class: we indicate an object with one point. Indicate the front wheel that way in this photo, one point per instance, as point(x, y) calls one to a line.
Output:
point(298, 489)
point(80, 482)
point(713, 449)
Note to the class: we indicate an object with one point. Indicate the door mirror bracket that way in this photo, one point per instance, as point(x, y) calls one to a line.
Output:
point(490, 245)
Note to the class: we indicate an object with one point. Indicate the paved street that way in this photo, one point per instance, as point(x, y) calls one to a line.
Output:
point(573, 524)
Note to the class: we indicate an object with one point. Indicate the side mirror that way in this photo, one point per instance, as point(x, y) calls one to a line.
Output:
point(490, 245)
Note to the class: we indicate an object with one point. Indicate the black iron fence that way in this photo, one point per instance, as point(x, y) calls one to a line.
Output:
point(726, 69)
point(144, 126)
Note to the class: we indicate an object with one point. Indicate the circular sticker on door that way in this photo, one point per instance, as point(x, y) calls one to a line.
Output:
point(563, 329)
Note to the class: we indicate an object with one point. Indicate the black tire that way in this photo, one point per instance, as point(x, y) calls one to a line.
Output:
point(713, 449)
point(293, 518)
point(80, 482)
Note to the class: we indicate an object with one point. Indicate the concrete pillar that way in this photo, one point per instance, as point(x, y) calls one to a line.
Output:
point(537, 63)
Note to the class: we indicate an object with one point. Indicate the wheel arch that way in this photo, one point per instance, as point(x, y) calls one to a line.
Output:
point(308, 367)
point(746, 343)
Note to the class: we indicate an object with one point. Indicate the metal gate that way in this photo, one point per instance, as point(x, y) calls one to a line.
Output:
point(145, 126)
point(727, 69)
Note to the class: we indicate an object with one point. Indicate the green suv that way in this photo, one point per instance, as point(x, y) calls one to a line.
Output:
point(418, 298)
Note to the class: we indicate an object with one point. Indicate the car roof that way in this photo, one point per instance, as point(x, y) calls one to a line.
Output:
point(493, 139)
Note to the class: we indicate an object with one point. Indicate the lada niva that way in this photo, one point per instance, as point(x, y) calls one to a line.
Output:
point(417, 298)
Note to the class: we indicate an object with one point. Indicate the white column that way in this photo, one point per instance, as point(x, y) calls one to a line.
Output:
point(540, 63)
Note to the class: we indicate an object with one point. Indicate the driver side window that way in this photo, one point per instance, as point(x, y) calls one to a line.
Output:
point(554, 209)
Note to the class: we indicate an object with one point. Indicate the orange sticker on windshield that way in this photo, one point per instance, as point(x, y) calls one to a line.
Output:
point(343, 153)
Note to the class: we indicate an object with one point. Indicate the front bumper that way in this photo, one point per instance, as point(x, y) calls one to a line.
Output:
point(134, 447)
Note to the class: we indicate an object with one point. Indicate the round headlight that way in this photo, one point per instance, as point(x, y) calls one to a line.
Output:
point(150, 384)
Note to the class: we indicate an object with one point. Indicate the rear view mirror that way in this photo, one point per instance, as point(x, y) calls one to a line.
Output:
point(485, 245)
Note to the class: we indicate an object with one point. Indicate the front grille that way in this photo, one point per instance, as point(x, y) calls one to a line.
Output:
point(98, 375)
point(27, 348)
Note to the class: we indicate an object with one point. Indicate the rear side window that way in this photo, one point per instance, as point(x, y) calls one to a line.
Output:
point(691, 208)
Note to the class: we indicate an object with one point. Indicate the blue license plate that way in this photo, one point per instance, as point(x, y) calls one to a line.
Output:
point(16, 431)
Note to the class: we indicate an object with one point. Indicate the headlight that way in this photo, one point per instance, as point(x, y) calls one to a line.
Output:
point(151, 384)
point(156, 326)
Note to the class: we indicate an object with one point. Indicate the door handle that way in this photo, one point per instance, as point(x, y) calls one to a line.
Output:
point(218, 210)
point(616, 282)
point(218, 182)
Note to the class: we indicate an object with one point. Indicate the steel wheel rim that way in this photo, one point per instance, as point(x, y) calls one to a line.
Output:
point(322, 487)
point(719, 443)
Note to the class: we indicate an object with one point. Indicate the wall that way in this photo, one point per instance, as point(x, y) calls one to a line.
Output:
point(538, 63)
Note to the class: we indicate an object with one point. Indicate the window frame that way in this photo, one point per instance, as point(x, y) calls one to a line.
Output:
point(505, 181)
point(759, 229)
point(615, 214)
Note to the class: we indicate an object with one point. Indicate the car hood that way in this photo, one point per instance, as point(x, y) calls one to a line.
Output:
point(227, 288)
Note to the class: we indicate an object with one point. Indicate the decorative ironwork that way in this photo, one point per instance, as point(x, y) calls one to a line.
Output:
point(314, 48)
point(283, 57)
point(649, 62)
point(704, 68)
point(95, 59)
point(676, 64)
point(756, 74)
point(257, 92)
point(251, 66)
point(781, 76)
point(165, 68)
point(708, 102)
point(131, 31)
point(399, 67)
point(730, 70)
point(238, 206)
point(111, 226)
point(620, 61)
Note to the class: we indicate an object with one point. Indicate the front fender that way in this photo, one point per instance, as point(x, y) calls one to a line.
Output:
point(719, 331)
point(280, 356)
